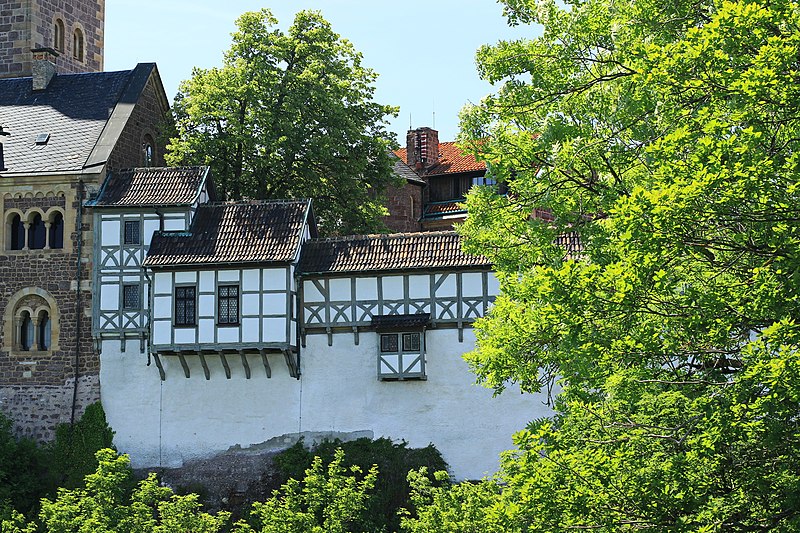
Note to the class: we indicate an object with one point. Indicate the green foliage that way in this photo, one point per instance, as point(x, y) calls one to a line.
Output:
point(394, 462)
point(108, 505)
point(21, 470)
point(72, 455)
point(330, 500)
point(462, 508)
point(290, 115)
point(667, 137)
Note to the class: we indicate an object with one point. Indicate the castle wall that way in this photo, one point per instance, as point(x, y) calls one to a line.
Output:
point(167, 423)
point(405, 208)
point(37, 385)
point(147, 120)
point(27, 24)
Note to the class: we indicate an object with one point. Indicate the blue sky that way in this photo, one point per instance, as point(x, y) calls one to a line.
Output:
point(424, 51)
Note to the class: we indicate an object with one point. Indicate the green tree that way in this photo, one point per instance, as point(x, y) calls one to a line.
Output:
point(112, 503)
point(665, 136)
point(290, 115)
point(329, 500)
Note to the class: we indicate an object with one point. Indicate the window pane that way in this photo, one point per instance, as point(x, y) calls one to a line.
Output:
point(410, 342)
point(389, 342)
point(130, 297)
point(132, 233)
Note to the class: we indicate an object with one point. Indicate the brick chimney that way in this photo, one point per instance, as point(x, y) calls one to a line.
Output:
point(43, 69)
point(422, 148)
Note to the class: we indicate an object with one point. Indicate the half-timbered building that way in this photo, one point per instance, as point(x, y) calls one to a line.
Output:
point(253, 332)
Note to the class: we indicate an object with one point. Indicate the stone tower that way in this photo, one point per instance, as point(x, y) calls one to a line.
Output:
point(73, 28)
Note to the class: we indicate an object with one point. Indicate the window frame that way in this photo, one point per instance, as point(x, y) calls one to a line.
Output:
point(184, 299)
point(399, 349)
point(138, 235)
point(236, 298)
point(138, 290)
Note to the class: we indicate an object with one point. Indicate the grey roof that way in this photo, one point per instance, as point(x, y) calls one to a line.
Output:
point(234, 233)
point(434, 250)
point(82, 113)
point(140, 187)
point(406, 172)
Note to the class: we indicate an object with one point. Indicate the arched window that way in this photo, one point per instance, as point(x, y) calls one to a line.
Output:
point(43, 332)
point(17, 229)
point(57, 231)
point(58, 35)
point(37, 233)
point(77, 44)
point(26, 332)
point(148, 151)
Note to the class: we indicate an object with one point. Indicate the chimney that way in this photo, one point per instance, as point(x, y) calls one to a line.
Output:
point(422, 148)
point(43, 68)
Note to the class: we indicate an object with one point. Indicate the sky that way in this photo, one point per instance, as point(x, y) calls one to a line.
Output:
point(423, 50)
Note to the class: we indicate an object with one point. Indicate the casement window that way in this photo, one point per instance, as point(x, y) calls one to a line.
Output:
point(185, 306)
point(228, 305)
point(133, 232)
point(401, 355)
point(131, 296)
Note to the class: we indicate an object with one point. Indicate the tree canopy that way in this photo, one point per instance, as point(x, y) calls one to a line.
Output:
point(290, 115)
point(666, 137)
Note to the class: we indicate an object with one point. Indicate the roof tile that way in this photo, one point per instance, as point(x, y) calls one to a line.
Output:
point(452, 160)
point(257, 232)
point(398, 251)
point(151, 187)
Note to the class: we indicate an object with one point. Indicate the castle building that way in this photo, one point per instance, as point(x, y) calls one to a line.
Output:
point(205, 326)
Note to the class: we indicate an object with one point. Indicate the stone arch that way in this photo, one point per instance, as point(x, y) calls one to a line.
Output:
point(37, 303)
point(54, 224)
point(149, 149)
point(14, 229)
point(78, 43)
point(59, 31)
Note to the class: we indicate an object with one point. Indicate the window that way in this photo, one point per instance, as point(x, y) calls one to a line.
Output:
point(17, 233)
point(58, 35)
point(130, 296)
point(133, 234)
point(402, 356)
point(56, 237)
point(484, 180)
point(37, 234)
point(185, 306)
point(77, 45)
point(43, 331)
point(148, 154)
point(26, 332)
point(228, 305)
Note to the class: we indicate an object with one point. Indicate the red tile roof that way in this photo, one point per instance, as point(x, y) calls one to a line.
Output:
point(434, 250)
point(151, 187)
point(452, 160)
point(257, 232)
point(441, 209)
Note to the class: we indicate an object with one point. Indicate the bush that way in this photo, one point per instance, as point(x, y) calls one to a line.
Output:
point(394, 462)
point(22, 468)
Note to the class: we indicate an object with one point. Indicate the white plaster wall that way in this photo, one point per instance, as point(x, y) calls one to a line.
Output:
point(462, 419)
point(166, 423)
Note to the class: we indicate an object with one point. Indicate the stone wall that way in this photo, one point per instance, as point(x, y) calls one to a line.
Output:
point(148, 119)
point(405, 208)
point(36, 386)
point(29, 24)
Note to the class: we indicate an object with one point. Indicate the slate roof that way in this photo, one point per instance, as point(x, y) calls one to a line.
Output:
point(224, 233)
point(139, 187)
point(76, 110)
point(452, 160)
point(406, 172)
point(399, 251)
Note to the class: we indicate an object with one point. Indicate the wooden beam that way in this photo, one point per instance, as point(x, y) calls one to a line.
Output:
point(160, 367)
point(205, 366)
point(291, 362)
point(245, 364)
point(224, 361)
point(266, 363)
point(184, 365)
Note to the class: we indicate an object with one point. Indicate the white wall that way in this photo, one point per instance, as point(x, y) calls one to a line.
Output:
point(167, 423)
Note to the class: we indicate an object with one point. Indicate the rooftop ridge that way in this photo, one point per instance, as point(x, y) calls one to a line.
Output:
point(385, 236)
point(255, 202)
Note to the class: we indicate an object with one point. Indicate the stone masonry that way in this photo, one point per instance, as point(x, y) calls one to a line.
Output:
point(29, 24)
